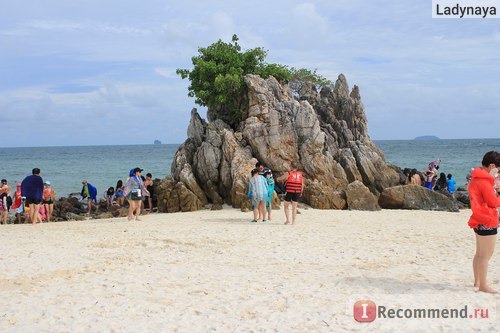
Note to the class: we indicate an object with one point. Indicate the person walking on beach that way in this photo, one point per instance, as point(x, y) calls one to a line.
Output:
point(49, 198)
point(89, 192)
point(32, 190)
point(257, 191)
point(294, 186)
point(134, 190)
point(484, 218)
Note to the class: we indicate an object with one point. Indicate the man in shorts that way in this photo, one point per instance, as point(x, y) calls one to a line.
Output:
point(32, 190)
point(294, 186)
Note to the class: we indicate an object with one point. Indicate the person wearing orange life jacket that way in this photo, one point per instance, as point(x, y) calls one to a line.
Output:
point(294, 186)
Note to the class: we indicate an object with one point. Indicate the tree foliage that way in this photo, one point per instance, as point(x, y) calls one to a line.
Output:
point(217, 77)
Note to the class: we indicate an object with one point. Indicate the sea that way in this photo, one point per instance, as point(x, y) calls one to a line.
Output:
point(103, 166)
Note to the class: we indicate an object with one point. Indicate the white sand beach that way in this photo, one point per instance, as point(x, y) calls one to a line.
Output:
point(215, 271)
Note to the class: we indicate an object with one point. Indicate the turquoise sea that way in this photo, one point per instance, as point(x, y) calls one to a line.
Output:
point(457, 156)
point(102, 166)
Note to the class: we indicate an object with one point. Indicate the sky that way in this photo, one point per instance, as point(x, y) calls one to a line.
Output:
point(103, 72)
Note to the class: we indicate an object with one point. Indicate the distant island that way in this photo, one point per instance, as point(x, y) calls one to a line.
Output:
point(157, 142)
point(427, 137)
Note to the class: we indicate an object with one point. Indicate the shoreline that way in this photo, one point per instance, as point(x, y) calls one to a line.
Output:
point(210, 270)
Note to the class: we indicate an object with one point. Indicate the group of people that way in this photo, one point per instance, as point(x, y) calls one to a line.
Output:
point(32, 201)
point(262, 186)
point(430, 179)
point(137, 191)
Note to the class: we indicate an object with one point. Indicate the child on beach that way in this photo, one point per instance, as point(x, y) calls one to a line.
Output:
point(18, 203)
point(270, 191)
point(49, 198)
point(257, 191)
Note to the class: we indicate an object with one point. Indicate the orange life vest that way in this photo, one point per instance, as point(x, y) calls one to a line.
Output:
point(294, 182)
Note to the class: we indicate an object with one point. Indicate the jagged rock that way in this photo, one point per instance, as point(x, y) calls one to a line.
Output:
point(415, 197)
point(325, 132)
point(73, 217)
point(106, 215)
point(359, 197)
point(63, 206)
point(463, 197)
point(188, 201)
point(216, 207)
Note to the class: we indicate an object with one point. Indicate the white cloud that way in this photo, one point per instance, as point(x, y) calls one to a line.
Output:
point(103, 62)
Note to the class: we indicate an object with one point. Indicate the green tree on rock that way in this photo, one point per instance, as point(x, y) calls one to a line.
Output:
point(217, 77)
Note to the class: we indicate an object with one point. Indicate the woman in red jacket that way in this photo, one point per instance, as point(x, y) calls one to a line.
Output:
point(484, 218)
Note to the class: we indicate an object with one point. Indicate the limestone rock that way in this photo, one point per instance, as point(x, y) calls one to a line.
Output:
point(326, 132)
point(359, 197)
point(416, 197)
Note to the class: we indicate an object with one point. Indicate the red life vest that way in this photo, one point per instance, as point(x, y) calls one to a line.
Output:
point(294, 182)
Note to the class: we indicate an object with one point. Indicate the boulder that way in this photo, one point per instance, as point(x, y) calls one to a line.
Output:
point(463, 197)
point(416, 197)
point(359, 197)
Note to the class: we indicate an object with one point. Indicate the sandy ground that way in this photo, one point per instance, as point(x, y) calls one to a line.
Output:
point(215, 271)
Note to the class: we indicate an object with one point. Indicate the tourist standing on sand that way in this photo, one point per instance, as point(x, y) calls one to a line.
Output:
point(18, 204)
point(135, 190)
point(484, 218)
point(32, 190)
point(4, 201)
point(149, 186)
point(294, 186)
point(49, 198)
point(257, 191)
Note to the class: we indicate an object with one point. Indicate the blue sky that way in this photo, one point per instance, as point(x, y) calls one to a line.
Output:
point(103, 72)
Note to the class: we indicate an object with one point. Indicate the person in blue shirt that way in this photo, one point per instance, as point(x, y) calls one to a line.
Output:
point(32, 190)
point(452, 184)
point(90, 193)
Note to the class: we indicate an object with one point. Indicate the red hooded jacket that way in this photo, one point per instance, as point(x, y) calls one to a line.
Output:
point(483, 199)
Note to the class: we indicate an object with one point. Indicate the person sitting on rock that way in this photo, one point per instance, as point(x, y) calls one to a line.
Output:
point(441, 184)
point(451, 183)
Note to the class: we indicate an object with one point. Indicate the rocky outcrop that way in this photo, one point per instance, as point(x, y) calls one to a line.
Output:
point(326, 132)
point(359, 197)
point(416, 197)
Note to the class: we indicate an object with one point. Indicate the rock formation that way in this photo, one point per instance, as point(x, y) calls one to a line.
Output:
point(416, 197)
point(326, 132)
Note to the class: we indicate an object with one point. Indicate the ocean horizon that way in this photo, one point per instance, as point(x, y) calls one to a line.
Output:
point(103, 165)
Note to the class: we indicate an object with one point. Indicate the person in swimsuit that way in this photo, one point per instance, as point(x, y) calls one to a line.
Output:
point(49, 197)
point(149, 186)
